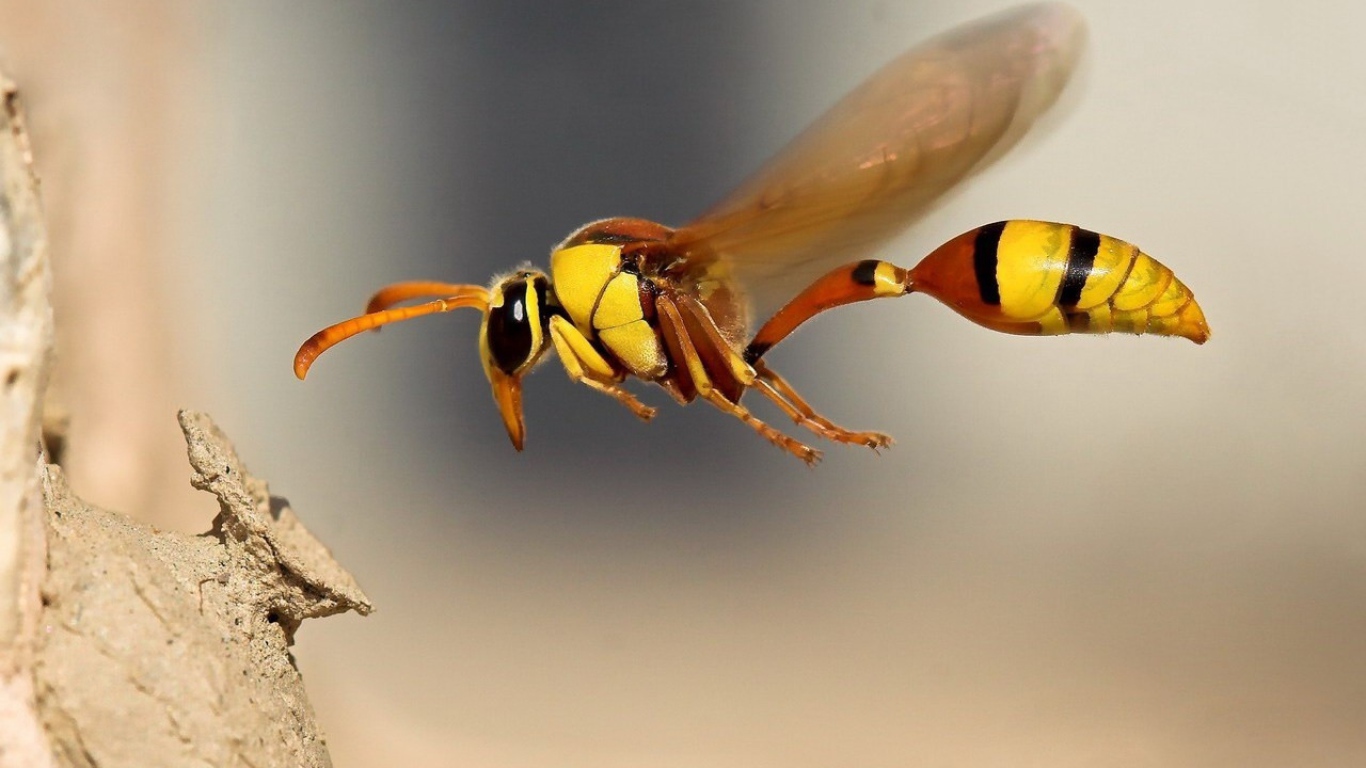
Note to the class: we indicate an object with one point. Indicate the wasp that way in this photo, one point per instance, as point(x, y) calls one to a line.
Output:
point(626, 297)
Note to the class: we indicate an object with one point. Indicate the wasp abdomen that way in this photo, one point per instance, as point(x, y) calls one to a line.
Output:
point(1042, 279)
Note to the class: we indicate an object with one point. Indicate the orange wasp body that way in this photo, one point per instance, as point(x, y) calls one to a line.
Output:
point(632, 298)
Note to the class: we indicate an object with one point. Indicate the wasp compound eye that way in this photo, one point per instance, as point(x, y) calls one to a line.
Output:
point(516, 327)
point(510, 331)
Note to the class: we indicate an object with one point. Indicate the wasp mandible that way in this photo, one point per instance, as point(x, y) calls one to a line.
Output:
point(628, 297)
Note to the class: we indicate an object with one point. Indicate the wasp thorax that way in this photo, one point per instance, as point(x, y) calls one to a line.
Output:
point(515, 331)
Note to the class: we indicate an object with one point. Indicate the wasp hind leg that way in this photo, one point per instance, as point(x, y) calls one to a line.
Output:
point(585, 365)
point(715, 365)
point(776, 388)
point(795, 447)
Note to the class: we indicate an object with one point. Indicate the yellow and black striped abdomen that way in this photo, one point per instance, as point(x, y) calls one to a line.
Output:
point(1042, 279)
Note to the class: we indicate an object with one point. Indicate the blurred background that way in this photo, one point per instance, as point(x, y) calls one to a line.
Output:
point(1082, 551)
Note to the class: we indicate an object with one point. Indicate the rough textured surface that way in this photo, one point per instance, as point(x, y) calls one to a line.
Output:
point(121, 645)
point(186, 636)
point(25, 354)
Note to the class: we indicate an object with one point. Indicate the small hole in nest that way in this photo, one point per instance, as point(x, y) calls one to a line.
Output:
point(12, 377)
point(273, 617)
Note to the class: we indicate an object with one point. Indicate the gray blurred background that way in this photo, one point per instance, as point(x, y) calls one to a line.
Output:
point(1082, 551)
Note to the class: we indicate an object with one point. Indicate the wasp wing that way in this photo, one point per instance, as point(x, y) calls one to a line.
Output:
point(866, 168)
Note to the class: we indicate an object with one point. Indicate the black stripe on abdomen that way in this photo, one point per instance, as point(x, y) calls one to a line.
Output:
point(984, 262)
point(865, 273)
point(1081, 256)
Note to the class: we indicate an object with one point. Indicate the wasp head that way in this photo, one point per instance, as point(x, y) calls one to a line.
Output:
point(512, 339)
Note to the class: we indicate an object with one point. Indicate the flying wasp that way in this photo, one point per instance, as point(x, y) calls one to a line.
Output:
point(628, 297)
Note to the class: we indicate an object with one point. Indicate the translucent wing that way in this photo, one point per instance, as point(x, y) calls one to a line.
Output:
point(865, 169)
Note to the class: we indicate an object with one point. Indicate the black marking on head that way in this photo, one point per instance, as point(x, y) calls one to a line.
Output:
point(550, 305)
point(541, 285)
point(866, 272)
point(509, 328)
point(1081, 257)
point(984, 250)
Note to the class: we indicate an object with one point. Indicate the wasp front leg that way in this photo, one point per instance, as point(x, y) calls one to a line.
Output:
point(585, 365)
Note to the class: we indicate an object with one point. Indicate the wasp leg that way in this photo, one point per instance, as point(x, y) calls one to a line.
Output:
point(726, 369)
point(585, 365)
point(675, 391)
point(776, 388)
point(672, 323)
point(860, 281)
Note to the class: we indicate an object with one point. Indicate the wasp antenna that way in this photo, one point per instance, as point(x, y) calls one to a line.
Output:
point(397, 293)
point(470, 296)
